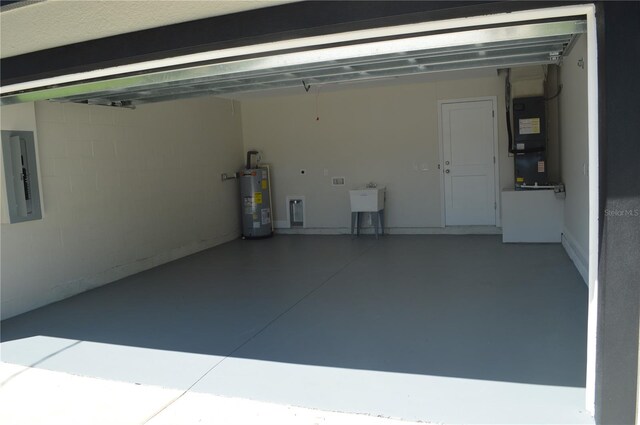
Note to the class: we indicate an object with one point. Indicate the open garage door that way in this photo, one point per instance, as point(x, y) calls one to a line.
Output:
point(363, 55)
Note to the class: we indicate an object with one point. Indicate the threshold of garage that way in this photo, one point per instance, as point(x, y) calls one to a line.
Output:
point(36, 396)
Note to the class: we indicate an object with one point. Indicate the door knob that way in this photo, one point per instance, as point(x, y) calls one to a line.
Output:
point(446, 171)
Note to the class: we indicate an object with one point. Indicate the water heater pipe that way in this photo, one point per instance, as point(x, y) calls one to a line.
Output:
point(249, 155)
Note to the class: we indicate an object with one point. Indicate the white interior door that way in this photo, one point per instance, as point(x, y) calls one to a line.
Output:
point(467, 130)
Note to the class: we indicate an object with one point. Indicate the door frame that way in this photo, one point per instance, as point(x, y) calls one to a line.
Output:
point(496, 151)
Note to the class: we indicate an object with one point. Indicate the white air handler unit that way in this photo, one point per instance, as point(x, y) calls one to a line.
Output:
point(255, 200)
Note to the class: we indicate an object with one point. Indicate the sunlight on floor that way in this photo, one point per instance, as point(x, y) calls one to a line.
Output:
point(80, 381)
point(37, 396)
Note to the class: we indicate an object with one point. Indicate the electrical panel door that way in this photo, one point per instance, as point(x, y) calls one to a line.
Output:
point(21, 176)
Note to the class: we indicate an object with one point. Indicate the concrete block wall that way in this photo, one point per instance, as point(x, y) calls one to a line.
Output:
point(123, 191)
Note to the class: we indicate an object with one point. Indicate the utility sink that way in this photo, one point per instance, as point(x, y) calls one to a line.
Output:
point(367, 199)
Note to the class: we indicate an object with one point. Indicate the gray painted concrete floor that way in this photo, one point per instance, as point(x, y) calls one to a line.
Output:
point(450, 329)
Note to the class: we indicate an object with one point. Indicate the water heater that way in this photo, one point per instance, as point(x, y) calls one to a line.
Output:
point(255, 200)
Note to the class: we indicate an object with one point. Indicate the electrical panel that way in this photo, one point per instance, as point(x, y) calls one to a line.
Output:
point(21, 176)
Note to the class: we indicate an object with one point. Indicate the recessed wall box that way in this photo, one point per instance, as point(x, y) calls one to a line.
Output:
point(337, 181)
point(296, 213)
point(21, 176)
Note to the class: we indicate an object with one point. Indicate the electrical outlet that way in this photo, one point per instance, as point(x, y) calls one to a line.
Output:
point(326, 172)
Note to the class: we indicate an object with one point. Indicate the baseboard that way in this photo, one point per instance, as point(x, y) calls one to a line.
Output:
point(449, 230)
point(312, 230)
point(64, 290)
point(577, 255)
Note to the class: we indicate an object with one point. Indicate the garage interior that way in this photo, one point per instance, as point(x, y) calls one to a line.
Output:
point(136, 271)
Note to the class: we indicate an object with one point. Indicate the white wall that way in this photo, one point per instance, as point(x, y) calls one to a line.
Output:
point(123, 191)
point(575, 155)
point(385, 134)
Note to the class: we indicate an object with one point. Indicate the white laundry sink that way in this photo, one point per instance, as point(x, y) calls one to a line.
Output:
point(367, 199)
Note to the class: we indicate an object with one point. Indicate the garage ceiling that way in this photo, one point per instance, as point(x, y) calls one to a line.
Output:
point(493, 47)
